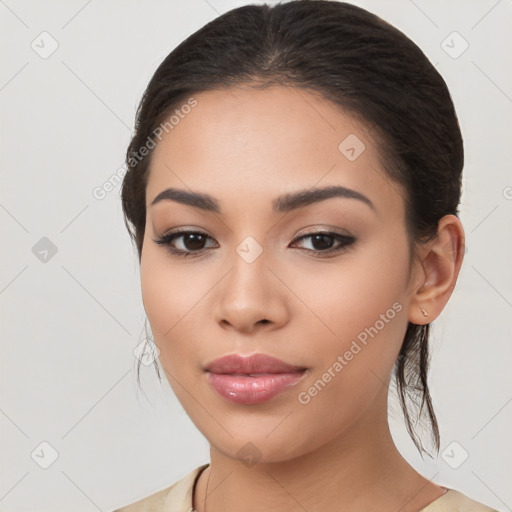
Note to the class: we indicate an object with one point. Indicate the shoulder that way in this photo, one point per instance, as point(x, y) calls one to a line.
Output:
point(179, 494)
point(455, 501)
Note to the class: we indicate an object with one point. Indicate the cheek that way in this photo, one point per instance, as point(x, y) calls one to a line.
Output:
point(362, 307)
point(158, 295)
point(360, 289)
point(354, 369)
point(171, 295)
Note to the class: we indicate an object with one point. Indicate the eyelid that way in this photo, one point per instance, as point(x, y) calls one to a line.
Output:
point(324, 229)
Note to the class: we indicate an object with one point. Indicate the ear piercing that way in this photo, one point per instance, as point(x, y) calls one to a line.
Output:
point(425, 313)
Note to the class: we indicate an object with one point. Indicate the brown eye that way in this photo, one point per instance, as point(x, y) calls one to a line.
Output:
point(189, 242)
point(194, 241)
point(324, 242)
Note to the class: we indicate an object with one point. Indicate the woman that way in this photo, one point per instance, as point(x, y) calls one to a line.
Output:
point(292, 193)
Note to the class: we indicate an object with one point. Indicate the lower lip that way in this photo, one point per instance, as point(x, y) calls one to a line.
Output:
point(252, 390)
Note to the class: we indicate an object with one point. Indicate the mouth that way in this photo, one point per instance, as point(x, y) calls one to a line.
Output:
point(252, 379)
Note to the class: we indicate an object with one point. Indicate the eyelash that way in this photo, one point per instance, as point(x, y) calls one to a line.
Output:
point(344, 242)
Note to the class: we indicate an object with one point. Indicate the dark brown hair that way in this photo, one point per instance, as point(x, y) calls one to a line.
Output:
point(360, 63)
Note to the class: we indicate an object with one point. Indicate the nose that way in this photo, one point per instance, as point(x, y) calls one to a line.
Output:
point(251, 298)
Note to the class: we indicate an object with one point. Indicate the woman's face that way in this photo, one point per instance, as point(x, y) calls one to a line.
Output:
point(255, 284)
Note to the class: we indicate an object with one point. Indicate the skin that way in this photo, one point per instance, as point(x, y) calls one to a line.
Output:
point(245, 147)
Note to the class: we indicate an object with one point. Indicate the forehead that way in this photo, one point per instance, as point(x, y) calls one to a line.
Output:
point(247, 141)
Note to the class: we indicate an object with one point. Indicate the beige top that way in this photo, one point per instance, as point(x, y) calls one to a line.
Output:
point(178, 498)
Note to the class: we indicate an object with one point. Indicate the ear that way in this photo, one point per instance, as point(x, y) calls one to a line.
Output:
point(437, 269)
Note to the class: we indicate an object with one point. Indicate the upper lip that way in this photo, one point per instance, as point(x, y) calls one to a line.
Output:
point(256, 363)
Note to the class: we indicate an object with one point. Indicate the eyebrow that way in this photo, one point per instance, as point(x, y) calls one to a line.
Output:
point(283, 203)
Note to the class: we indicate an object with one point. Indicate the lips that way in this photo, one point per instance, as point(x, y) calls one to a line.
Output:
point(252, 380)
point(251, 365)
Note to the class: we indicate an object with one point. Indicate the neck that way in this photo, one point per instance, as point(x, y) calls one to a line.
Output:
point(337, 475)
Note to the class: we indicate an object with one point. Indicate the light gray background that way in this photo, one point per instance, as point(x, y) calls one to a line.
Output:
point(70, 324)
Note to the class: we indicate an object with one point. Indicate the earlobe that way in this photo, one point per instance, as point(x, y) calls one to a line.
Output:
point(440, 263)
